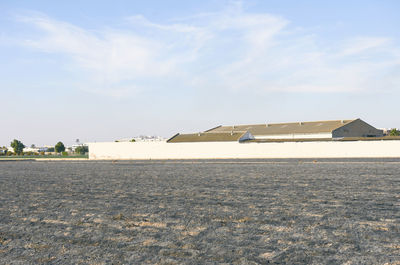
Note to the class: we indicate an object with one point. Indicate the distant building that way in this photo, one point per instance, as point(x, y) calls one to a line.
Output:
point(142, 138)
point(9, 148)
point(74, 146)
point(149, 138)
point(335, 129)
point(35, 149)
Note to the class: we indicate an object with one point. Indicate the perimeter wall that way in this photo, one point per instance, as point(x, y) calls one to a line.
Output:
point(225, 150)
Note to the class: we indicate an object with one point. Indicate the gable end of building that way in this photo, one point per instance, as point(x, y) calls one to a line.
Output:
point(356, 128)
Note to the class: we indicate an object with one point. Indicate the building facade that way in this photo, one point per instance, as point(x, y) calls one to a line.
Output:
point(318, 130)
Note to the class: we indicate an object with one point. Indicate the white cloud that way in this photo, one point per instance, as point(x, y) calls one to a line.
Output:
point(229, 50)
point(108, 58)
point(363, 44)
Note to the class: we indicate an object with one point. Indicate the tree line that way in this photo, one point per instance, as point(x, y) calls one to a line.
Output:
point(59, 148)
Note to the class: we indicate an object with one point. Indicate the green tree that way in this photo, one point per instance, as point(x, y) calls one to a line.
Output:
point(81, 150)
point(50, 149)
point(18, 146)
point(3, 151)
point(59, 147)
point(394, 132)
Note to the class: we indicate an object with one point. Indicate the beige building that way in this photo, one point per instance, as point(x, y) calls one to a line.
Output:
point(317, 130)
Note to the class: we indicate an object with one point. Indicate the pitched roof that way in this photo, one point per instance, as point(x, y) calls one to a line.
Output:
point(284, 128)
point(207, 137)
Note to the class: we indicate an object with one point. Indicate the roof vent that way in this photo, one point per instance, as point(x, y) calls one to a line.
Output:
point(342, 121)
point(301, 123)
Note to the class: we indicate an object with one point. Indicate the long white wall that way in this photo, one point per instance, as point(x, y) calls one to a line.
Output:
point(210, 150)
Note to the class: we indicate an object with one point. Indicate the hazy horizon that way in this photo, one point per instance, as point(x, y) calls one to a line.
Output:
point(101, 71)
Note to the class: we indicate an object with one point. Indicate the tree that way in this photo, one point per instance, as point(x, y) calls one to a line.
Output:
point(18, 146)
point(50, 149)
point(33, 146)
point(81, 150)
point(394, 132)
point(59, 147)
point(3, 151)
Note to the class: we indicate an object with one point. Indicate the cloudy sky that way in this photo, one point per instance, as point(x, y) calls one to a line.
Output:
point(104, 70)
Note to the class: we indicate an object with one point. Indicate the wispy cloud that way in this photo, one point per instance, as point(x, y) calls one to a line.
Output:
point(231, 50)
point(364, 44)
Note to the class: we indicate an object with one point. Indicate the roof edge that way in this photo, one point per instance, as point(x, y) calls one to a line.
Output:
point(172, 137)
point(213, 128)
point(350, 120)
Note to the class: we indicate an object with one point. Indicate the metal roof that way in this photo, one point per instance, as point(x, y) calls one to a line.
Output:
point(284, 128)
point(207, 137)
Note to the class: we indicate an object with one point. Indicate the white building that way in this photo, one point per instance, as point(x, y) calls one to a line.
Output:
point(35, 149)
point(142, 138)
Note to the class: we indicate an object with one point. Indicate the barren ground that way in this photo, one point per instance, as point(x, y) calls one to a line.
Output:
point(200, 212)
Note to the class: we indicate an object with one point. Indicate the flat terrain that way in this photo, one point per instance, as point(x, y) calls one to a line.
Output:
point(44, 157)
point(200, 212)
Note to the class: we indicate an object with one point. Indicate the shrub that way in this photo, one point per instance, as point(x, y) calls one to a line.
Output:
point(394, 132)
point(81, 150)
point(64, 153)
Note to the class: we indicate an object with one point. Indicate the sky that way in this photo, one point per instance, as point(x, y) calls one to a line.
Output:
point(106, 70)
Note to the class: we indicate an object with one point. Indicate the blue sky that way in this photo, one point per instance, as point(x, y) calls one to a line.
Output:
point(104, 70)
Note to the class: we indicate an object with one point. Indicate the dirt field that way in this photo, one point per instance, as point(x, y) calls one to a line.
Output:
point(200, 212)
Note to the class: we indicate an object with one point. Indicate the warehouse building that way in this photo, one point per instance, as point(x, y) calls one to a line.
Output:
point(236, 136)
point(317, 130)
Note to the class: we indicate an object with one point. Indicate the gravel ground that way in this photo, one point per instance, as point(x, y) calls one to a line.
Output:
point(200, 212)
